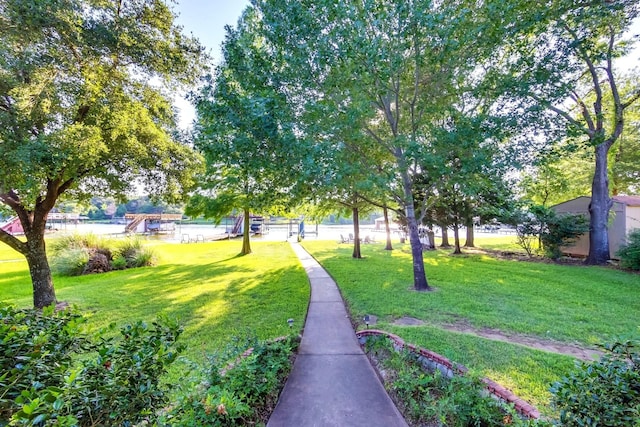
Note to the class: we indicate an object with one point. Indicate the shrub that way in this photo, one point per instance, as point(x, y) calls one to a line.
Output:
point(551, 230)
point(431, 398)
point(73, 254)
point(121, 384)
point(602, 393)
point(85, 254)
point(238, 394)
point(71, 262)
point(561, 230)
point(36, 352)
point(456, 401)
point(51, 374)
point(629, 253)
point(145, 258)
point(98, 263)
point(135, 253)
point(119, 262)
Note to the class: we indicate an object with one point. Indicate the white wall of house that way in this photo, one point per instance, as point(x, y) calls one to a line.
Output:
point(632, 218)
point(623, 219)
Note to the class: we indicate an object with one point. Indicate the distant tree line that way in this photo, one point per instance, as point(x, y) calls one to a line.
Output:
point(103, 208)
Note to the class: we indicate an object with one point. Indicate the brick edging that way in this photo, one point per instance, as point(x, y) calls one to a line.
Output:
point(450, 368)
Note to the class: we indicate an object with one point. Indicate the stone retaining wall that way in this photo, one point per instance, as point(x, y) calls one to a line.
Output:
point(433, 361)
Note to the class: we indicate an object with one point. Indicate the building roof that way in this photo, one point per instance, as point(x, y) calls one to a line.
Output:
point(627, 200)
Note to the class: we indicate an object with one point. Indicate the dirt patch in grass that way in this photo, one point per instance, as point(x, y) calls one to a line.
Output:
point(582, 353)
point(521, 256)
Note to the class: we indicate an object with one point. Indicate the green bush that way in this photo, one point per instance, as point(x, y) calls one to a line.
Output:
point(36, 352)
point(552, 231)
point(120, 384)
point(72, 254)
point(562, 230)
point(145, 258)
point(135, 253)
point(70, 262)
point(629, 253)
point(119, 262)
point(53, 375)
point(603, 393)
point(237, 394)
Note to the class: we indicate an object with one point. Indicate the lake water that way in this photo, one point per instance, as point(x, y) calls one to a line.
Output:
point(210, 232)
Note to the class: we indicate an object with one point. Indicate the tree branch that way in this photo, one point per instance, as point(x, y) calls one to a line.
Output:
point(585, 111)
point(13, 242)
point(597, 105)
point(563, 114)
point(12, 200)
point(633, 98)
point(378, 139)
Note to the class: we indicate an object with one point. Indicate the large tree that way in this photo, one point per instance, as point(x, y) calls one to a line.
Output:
point(244, 129)
point(84, 110)
point(383, 67)
point(562, 60)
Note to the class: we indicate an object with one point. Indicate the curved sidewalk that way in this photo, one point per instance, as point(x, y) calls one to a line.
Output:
point(332, 382)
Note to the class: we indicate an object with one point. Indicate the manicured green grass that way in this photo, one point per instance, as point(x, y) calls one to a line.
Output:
point(580, 304)
point(505, 242)
point(215, 294)
point(586, 305)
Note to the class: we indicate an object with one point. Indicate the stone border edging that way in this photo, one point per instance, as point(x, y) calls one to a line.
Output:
point(433, 360)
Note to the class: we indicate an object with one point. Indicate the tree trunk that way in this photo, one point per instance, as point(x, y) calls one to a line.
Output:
point(246, 242)
point(456, 237)
point(599, 210)
point(43, 291)
point(469, 242)
point(387, 228)
point(34, 250)
point(445, 237)
point(419, 275)
point(432, 238)
point(356, 234)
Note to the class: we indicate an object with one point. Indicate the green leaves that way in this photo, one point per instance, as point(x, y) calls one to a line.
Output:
point(605, 392)
point(245, 130)
point(53, 374)
point(73, 107)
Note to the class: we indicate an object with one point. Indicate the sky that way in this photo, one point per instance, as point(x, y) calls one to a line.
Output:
point(205, 19)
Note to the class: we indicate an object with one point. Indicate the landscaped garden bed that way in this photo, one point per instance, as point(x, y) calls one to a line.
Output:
point(431, 390)
point(56, 375)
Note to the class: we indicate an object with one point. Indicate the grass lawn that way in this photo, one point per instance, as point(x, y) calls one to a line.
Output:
point(585, 305)
point(215, 294)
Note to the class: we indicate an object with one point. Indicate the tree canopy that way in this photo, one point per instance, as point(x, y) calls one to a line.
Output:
point(85, 110)
point(245, 131)
point(560, 62)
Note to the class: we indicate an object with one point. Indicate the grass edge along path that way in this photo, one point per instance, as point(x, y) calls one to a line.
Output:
point(479, 288)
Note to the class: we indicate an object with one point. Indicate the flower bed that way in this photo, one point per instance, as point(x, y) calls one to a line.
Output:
point(434, 361)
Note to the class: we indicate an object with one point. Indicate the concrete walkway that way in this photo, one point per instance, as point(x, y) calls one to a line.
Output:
point(332, 382)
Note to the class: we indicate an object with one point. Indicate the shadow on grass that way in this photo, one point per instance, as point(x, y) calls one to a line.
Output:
point(214, 302)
